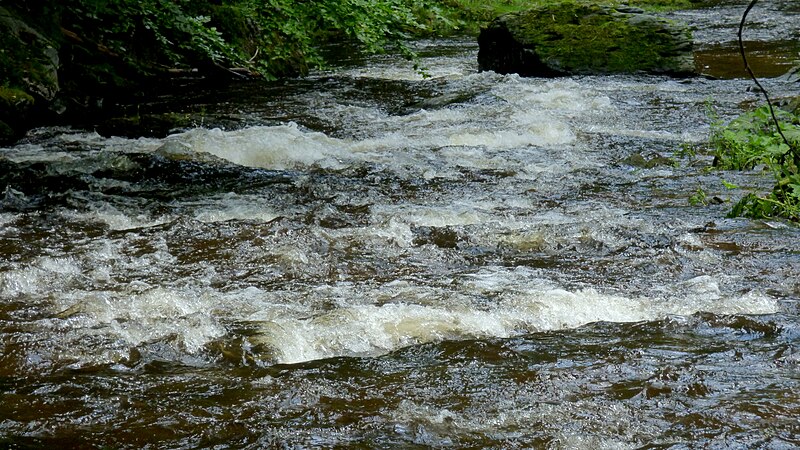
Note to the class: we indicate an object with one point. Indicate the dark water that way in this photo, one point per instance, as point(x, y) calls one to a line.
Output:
point(369, 259)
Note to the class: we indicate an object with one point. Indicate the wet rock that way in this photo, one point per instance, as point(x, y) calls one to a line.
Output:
point(40, 77)
point(6, 132)
point(790, 104)
point(792, 76)
point(441, 101)
point(573, 38)
point(166, 123)
point(29, 71)
point(14, 106)
point(442, 237)
point(643, 162)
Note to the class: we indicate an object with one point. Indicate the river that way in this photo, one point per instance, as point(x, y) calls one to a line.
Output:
point(376, 260)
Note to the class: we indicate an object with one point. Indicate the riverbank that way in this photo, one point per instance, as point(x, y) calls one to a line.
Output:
point(68, 62)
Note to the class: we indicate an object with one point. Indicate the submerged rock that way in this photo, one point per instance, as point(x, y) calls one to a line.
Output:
point(792, 76)
point(576, 38)
point(791, 104)
point(641, 161)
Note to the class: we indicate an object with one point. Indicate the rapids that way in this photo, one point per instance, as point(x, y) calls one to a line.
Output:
point(378, 260)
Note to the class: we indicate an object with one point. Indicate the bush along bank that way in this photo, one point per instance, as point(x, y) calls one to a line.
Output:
point(751, 142)
point(78, 58)
point(83, 55)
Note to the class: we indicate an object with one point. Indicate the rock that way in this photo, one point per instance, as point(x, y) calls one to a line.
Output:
point(790, 104)
point(7, 134)
point(29, 69)
point(441, 101)
point(792, 76)
point(640, 161)
point(40, 56)
point(15, 107)
point(576, 38)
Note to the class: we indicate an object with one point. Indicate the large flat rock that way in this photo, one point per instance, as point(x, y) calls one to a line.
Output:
point(576, 38)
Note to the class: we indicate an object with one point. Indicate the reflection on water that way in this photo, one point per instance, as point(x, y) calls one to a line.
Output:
point(767, 60)
point(382, 261)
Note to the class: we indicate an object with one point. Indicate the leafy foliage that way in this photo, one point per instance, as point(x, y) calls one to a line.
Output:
point(111, 41)
point(290, 32)
point(271, 37)
point(147, 33)
point(699, 197)
point(750, 141)
point(473, 14)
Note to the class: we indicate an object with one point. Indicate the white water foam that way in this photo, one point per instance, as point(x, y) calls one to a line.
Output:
point(279, 147)
point(505, 416)
point(88, 143)
point(521, 304)
point(523, 113)
point(287, 147)
point(113, 217)
point(231, 206)
point(145, 315)
point(44, 275)
point(466, 213)
point(518, 125)
point(7, 218)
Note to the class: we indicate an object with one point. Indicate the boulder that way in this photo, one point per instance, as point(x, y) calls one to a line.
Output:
point(569, 38)
point(14, 106)
point(28, 73)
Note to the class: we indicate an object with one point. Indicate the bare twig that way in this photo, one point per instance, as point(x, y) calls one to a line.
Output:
point(792, 150)
point(234, 72)
point(253, 58)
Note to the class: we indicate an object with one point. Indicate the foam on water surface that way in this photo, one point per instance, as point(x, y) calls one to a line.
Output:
point(373, 330)
point(428, 197)
point(277, 147)
point(521, 303)
point(464, 261)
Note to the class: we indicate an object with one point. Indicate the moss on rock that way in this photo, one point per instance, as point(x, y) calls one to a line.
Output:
point(28, 59)
point(580, 38)
point(11, 98)
point(28, 73)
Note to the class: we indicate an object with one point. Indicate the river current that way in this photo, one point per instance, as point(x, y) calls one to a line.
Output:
point(373, 259)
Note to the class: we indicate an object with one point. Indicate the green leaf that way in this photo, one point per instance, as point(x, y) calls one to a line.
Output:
point(729, 185)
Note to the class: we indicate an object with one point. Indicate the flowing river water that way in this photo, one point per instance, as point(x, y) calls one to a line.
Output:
point(378, 260)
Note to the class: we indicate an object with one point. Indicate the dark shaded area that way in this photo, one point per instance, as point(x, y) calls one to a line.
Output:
point(31, 186)
point(502, 53)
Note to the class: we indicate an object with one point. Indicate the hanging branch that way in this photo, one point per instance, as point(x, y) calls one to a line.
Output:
point(792, 150)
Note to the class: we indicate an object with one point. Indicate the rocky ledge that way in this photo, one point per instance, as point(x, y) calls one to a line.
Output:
point(569, 38)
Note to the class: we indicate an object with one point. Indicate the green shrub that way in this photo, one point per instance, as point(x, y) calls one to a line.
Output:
point(272, 37)
point(112, 39)
point(148, 34)
point(751, 141)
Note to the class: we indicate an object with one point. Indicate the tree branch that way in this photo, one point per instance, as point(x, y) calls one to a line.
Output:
point(792, 150)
